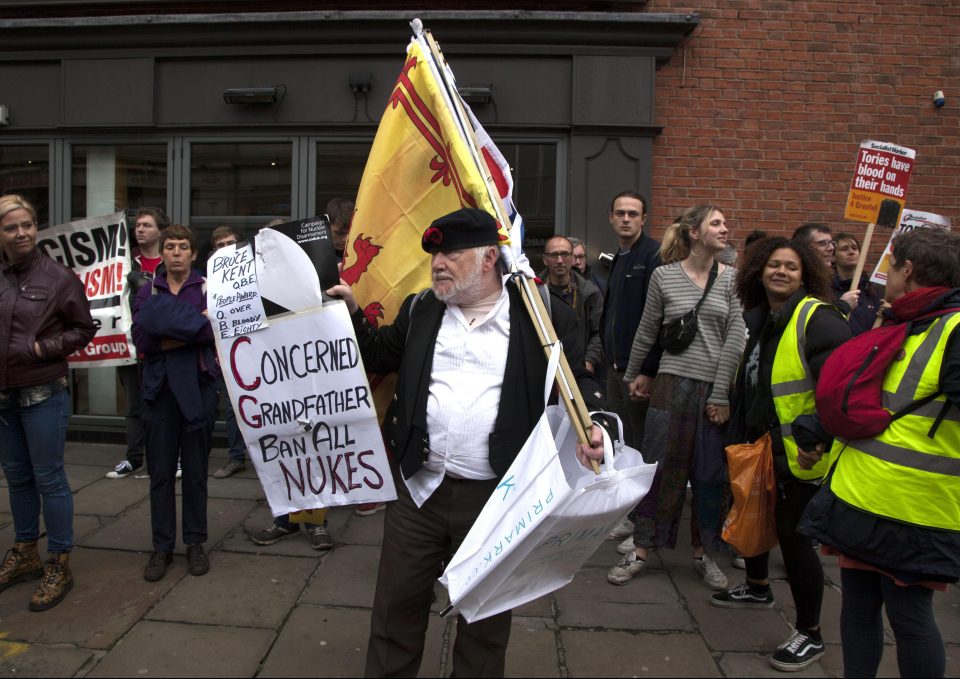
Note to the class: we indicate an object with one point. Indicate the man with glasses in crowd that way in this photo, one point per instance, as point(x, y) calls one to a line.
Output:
point(582, 295)
point(585, 270)
point(819, 236)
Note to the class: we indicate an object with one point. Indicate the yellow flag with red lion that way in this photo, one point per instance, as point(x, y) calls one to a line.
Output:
point(420, 168)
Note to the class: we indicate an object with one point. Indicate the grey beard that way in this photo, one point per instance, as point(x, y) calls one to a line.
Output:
point(463, 290)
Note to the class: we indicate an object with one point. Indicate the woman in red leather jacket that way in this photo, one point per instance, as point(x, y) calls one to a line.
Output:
point(44, 317)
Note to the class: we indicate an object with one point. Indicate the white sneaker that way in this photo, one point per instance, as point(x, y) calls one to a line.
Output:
point(626, 546)
point(713, 577)
point(179, 471)
point(122, 470)
point(737, 562)
point(621, 530)
point(624, 571)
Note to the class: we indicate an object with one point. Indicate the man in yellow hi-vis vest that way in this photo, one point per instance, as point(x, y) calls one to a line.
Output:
point(891, 506)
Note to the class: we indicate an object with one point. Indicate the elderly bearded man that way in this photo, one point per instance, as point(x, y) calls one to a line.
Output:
point(469, 392)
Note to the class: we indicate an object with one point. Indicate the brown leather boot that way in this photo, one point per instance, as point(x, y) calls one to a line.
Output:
point(21, 563)
point(57, 581)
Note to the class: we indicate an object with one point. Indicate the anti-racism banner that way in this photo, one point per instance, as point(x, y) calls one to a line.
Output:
point(878, 191)
point(97, 250)
point(910, 220)
point(306, 411)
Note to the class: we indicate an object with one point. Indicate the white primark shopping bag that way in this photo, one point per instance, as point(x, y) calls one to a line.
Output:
point(544, 520)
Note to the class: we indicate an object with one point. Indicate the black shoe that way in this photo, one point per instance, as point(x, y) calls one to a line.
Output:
point(124, 469)
point(157, 566)
point(742, 596)
point(797, 652)
point(273, 533)
point(197, 561)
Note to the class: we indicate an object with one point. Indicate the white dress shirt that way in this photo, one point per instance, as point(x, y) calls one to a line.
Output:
point(469, 361)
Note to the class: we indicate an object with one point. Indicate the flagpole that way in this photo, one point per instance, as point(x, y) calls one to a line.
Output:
point(569, 391)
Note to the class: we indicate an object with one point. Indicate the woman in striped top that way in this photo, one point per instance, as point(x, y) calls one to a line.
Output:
point(689, 397)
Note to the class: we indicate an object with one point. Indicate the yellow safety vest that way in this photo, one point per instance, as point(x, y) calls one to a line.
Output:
point(793, 387)
point(903, 474)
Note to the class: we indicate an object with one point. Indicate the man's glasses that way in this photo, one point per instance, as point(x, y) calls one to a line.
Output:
point(824, 244)
point(579, 257)
point(563, 254)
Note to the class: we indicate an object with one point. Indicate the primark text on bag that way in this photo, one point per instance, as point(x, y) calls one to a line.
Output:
point(544, 520)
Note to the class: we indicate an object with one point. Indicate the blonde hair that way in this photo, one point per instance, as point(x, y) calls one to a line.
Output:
point(12, 201)
point(676, 242)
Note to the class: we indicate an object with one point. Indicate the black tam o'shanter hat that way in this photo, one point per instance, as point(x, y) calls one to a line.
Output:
point(466, 228)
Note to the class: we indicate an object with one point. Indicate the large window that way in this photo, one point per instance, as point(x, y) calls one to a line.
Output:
point(25, 170)
point(339, 170)
point(109, 178)
point(242, 185)
point(534, 169)
point(534, 166)
point(112, 177)
point(205, 182)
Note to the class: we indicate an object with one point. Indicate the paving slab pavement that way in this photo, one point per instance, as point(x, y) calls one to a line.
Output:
point(170, 649)
point(286, 610)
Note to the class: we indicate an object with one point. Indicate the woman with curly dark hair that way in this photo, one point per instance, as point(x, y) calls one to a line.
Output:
point(792, 329)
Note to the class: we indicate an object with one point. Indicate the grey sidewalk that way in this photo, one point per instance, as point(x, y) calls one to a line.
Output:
point(287, 611)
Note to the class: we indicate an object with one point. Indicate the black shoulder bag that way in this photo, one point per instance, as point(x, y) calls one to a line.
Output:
point(677, 335)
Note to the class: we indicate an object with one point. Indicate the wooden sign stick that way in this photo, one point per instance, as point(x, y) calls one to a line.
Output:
point(864, 249)
point(569, 391)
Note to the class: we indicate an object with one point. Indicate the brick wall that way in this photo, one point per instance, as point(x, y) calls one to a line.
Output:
point(765, 107)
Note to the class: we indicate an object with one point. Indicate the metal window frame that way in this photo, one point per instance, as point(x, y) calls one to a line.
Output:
point(303, 194)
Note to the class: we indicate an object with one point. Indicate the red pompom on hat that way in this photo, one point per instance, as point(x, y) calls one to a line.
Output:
point(466, 228)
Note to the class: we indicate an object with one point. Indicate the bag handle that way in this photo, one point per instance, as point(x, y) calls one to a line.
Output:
point(611, 415)
point(607, 450)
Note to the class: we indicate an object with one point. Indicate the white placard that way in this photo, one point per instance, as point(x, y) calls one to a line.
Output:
point(234, 304)
point(97, 249)
point(306, 412)
point(287, 276)
point(909, 220)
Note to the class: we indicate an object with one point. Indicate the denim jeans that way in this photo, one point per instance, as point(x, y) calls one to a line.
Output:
point(31, 452)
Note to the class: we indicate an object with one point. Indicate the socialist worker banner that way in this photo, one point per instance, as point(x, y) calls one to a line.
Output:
point(306, 412)
point(878, 191)
point(97, 249)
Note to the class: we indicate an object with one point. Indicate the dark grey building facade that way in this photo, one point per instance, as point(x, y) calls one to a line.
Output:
point(110, 106)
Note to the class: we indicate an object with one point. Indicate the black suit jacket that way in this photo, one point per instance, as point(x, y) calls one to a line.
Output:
point(407, 347)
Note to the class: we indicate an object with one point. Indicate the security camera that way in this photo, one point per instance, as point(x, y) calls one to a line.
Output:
point(938, 99)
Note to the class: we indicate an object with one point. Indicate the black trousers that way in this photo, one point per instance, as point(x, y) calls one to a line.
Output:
point(920, 651)
point(804, 570)
point(167, 441)
point(416, 542)
point(136, 431)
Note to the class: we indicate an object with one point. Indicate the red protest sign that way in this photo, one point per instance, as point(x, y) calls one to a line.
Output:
point(878, 191)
